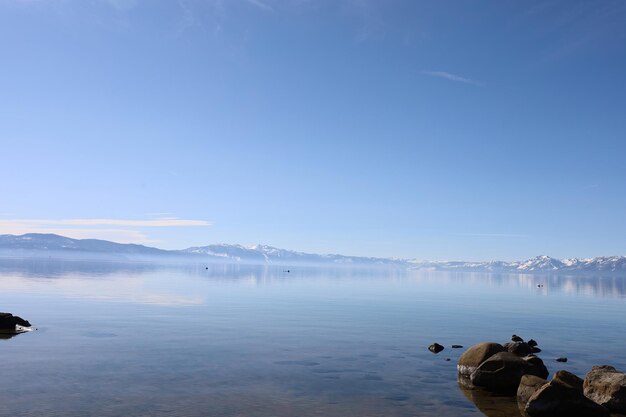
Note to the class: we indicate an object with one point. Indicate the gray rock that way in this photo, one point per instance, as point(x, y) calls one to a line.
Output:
point(606, 386)
point(563, 397)
point(477, 354)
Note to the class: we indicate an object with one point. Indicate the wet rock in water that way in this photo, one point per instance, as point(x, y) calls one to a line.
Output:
point(606, 386)
point(519, 348)
point(8, 321)
point(563, 396)
point(503, 371)
point(435, 348)
point(528, 385)
point(561, 359)
point(477, 354)
point(532, 343)
point(457, 346)
point(516, 338)
point(534, 349)
point(448, 359)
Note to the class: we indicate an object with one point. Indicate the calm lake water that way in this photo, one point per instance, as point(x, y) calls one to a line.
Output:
point(143, 340)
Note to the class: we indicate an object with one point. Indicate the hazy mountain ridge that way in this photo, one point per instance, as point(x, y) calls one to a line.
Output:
point(37, 243)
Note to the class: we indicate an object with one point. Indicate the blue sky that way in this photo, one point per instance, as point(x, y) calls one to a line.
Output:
point(424, 129)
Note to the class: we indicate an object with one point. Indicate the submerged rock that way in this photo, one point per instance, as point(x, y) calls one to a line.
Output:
point(477, 354)
point(561, 359)
point(563, 397)
point(606, 386)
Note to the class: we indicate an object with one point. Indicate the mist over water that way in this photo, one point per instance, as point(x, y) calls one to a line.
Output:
point(119, 338)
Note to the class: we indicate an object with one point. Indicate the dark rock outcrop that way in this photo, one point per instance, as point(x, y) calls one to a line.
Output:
point(477, 354)
point(8, 321)
point(606, 386)
point(561, 397)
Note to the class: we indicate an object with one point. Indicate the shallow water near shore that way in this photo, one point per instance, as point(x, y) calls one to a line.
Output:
point(139, 339)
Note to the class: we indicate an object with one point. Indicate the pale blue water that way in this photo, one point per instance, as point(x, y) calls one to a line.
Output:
point(138, 339)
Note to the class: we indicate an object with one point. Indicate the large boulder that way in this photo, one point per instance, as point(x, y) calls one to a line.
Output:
point(563, 397)
point(8, 321)
point(606, 386)
point(477, 354)
point(528, 385)
point(503, 371)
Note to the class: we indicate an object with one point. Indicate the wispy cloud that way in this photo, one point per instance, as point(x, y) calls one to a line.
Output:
point(161, 222)
point(117, 230)
point(261, 5)
point(452, 77)
point(513, 235)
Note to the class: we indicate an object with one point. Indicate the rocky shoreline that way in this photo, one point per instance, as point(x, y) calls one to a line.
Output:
point(514, 370)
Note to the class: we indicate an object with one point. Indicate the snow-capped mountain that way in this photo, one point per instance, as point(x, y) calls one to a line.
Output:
point(269, 254)
point(541, 263)
point(37, 244)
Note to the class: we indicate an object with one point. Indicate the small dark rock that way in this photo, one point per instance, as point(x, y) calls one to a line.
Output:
point(532, 343)
point(561, 359)
point(516, 338)
point(519, 348)
point(535, 349)
point(447, 359)
point(435, 348)
point(457, 346)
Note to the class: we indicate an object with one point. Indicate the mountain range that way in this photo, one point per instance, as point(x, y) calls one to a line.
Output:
point(37, 244)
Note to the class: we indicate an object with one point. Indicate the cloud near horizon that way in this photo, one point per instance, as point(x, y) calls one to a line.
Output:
point(117, 230)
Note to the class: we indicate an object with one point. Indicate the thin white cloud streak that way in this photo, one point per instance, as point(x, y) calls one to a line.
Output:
point(162, 222)
point(451, 77)
point(489, 235)
point(260, 5)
